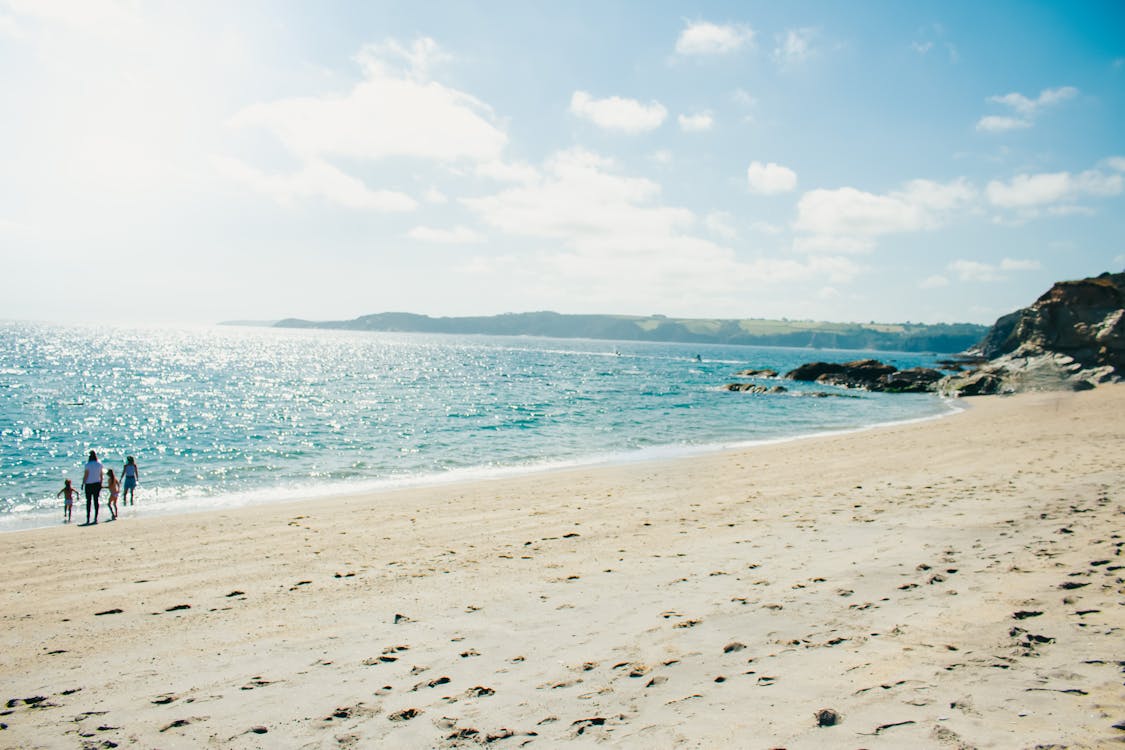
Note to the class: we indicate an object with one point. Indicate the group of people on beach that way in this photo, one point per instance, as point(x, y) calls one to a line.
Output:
point(94, 475)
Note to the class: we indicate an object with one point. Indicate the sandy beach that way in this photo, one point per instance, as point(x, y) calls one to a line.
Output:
point(955, 583)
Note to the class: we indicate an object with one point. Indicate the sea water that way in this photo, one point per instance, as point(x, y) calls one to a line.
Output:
point(224, 416)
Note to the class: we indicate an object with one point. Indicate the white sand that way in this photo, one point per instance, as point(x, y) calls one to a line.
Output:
point(716, 601)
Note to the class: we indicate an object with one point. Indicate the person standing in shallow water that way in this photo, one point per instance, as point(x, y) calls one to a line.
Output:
point(92, 483)
point(129, 475)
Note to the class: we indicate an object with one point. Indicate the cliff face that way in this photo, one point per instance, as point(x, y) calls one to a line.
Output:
point(1071, 337)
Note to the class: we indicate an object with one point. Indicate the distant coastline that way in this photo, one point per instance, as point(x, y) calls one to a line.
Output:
point(904, 337)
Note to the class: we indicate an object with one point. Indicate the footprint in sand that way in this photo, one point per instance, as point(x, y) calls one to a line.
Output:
point(256, 682)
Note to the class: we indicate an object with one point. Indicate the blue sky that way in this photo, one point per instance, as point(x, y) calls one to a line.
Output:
point(169, 161)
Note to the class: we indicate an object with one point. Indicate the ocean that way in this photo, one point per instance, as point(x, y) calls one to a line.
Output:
point(220, 416)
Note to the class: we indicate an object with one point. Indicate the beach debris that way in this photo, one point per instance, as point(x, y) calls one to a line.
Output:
point(883, 727)
point(176, 724)
point(178, 607)
point(109, 612)
point(400, 618)
point(479, 691)
point(259, 729)
point(734, 646)
point(1073, 584)
point(827, 717)
point(405, 714)
point(1023, 614)
point(236, 593)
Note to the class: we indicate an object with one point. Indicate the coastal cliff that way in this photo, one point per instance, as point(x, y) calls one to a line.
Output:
point(1072, 337)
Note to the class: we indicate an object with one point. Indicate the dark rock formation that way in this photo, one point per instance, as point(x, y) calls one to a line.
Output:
point(913, 380)
point(862, 373)
point(1072, 337)
point(753, 388)
point(766, 373)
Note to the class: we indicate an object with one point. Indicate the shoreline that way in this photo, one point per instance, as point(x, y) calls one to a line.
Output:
point(954, 583)
point(375, 487)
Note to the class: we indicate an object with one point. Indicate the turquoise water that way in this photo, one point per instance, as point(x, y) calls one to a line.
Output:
point(224, 416)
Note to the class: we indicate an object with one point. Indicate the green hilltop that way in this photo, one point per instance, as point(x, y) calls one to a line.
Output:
point(909, 337)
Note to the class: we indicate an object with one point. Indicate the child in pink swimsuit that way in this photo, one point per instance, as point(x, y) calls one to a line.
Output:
point(114, 489)
point(68, 502)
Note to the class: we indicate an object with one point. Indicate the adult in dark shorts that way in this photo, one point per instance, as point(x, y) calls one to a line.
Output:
point(92, 483)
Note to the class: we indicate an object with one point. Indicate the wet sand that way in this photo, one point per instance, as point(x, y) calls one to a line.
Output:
point(949, 584)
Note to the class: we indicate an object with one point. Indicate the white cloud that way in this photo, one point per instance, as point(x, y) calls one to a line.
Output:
point(822, 244)
point(1000, 124)
point(793, 47)
point(433, 195)
point(721, 224)
point(103, 18)
point(616, 113)
point(933, 282)
point(662, 156)
point(850, 219)
point(10, 28)
point(1116, 163)
point(580, 195)
point(508, 172)
point(922, 47)
point(622, 245)
point(389, 113)
point(1025, 108)
point(420, 58)
point(1034, 190)
point(764, 227)
point(771, 178)
point(1030, 107)
point(696, 123)
point(971, 270)
point(457, 236)
point(317, 179)
point(705, 38)
point(1012, 264)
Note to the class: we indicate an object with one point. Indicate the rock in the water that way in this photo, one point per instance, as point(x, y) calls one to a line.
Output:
point(913, 380)
point(861, 373)
point(765, 373)
point(753, 388)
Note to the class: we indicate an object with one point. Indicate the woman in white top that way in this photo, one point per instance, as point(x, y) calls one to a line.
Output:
point(92, 483)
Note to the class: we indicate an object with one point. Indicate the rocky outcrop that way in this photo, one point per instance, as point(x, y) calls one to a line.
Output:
point(867, 374)
point(754, 388)
point(912, 380)
point(1072, 337)
point(765, 373)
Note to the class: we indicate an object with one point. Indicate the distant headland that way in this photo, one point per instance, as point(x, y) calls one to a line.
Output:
point(904, 337)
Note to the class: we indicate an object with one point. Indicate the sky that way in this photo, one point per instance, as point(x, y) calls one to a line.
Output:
point(866, 161)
